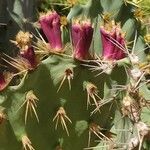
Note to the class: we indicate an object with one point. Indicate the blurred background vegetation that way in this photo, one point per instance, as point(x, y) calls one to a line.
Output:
point(61, 6)
point(47, 4)
point(145, 6)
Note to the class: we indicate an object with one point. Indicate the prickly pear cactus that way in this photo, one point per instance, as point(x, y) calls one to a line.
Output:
point(80, 84)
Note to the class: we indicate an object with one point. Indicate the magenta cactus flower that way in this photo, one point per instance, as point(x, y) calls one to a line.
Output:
point(29, 55)
point(110, 39)
point(50, 24)
point(82, 34)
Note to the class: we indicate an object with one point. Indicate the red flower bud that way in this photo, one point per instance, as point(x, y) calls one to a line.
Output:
point(29, 55)
point(50, 24)
point(81, 39)
point(5, 79)
point(113, 43)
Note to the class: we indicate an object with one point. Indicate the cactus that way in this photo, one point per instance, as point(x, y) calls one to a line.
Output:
point(86, 88)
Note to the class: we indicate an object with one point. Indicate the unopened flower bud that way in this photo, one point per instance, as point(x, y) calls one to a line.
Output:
point(29, 55)
point(82, 34)
point(113, 42)
point(50, 24)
